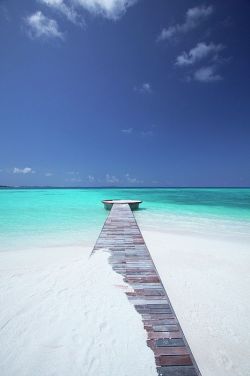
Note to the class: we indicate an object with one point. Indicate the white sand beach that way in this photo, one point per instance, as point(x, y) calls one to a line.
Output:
point(63, 313)
point(207, 280)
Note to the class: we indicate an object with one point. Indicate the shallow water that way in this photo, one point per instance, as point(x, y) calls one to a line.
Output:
point(55, 217)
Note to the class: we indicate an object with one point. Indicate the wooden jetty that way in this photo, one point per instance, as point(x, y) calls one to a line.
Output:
point(131, 258)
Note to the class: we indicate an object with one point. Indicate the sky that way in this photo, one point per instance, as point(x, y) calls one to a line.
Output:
point(124, 93)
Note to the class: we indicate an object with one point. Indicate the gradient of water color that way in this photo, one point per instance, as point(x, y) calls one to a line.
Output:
point(56, 217)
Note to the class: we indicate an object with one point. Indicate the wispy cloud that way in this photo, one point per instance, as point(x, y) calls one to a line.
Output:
point(74, 177)
point(146, 133)
point(4, 12)
point(91, 178)
point(127, 131)
point(194, 17)
point(67, 10)
point(112, 9)
point(203, 51)
point(199, 52)
point(74, 180)
point(145, 88)
point(207, 74)
point(73, 172)
point(48, 174)
point(111, 179)
point(132, 180)
point(40, 26)
point(24, 171)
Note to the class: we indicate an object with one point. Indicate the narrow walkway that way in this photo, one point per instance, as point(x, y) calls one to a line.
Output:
point(131, 258)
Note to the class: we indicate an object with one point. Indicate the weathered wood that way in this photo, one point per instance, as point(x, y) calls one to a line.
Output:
point(173, 360)
point(177, 371)
point(170, 342)
point(170, 351)
point(130, 257)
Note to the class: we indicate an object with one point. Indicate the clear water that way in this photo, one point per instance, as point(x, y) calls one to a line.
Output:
point(56, 217)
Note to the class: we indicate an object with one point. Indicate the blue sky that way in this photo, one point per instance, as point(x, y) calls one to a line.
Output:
point(124, 92)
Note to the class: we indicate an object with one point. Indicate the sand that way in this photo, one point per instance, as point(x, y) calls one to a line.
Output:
point(65, 313)
point(207, 280)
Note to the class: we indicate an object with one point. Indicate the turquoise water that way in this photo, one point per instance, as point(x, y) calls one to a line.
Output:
point(55, 217)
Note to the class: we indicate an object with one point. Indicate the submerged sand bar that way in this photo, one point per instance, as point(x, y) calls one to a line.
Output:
point(131, 258)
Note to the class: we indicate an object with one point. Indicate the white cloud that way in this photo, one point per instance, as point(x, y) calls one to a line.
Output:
point(112, 9)
point(198, 13)
point(73, 172)
point(147, 133)
point(25, 170)
point(91, 178)
point(48, 174)
point(145, 88)
point(74, 177)
point(111, 179)
point(40, 26)
point(74, 180)
point(132, 180)
point(199, 52)
point(127, 131)
point(4, 13)
point(194, 17)
point(207, 74)
point(67, 10)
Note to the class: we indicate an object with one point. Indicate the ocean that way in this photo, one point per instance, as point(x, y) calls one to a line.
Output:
point(63, 217)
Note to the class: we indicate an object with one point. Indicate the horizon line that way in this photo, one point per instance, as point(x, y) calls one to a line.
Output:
point(118, 187)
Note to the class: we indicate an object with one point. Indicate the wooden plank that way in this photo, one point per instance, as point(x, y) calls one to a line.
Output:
point(169, 360)
point(177, 371)
point(171, 351)
point(162, 335)
point(160, 321)
point(170, 342)
point(165, 328)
